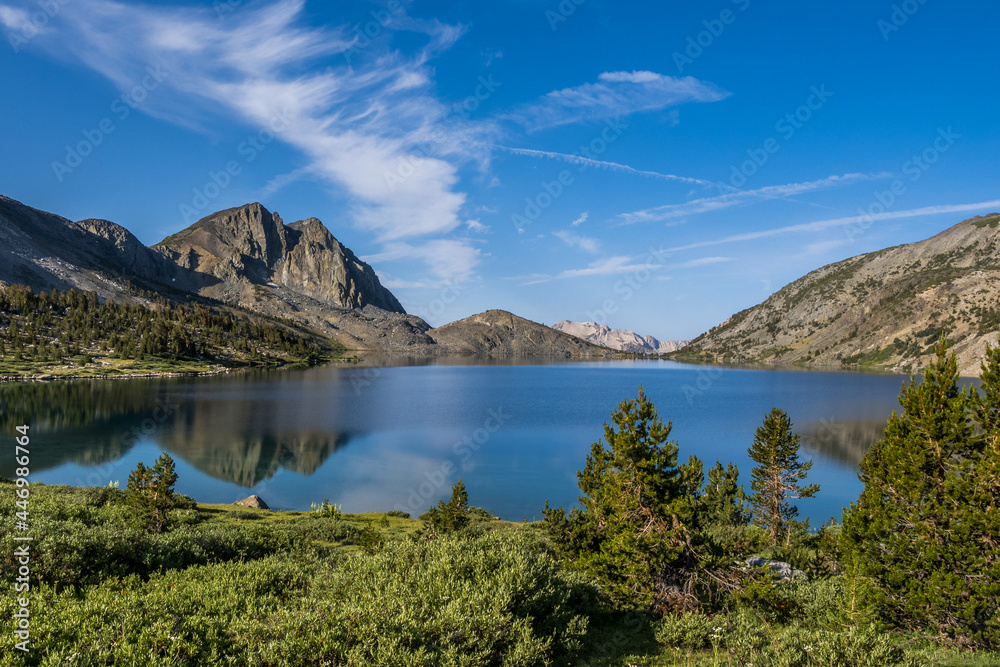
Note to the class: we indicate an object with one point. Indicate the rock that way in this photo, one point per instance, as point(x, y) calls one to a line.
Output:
point(253, 502)
point(784, 572)
point(252, 257)
point(618, 339)
point(47, 251)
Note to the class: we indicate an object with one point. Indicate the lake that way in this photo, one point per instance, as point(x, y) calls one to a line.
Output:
point(376, 438)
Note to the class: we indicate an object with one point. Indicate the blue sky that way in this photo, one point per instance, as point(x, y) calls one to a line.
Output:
point(652, 166)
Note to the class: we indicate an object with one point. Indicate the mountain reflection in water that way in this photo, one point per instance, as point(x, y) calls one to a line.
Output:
point(843, 441)
point(91, 423)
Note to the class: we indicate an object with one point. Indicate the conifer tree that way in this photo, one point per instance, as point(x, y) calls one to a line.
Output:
point(723, 501)
point(926, 529)
point(453, 515)
point(633, 532)
point(775, 480)
point(151, 492)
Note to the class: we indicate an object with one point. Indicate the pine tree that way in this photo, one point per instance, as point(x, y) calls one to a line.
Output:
point(775, 481)
point(633, 532)
point(453, 515)
point(926, 529)
point(723, 500)
point(151, 492)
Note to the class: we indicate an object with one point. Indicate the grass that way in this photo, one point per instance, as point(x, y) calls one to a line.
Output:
point(103, 366)
point(387, 527)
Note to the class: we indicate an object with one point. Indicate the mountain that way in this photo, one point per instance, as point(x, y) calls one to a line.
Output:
point(883, 309)
point(497, 333)
point(44, 250)
point(617, 339)
point(249, 258)
point(255, 257)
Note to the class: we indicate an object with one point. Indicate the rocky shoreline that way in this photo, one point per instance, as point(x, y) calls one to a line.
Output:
point(47, 377)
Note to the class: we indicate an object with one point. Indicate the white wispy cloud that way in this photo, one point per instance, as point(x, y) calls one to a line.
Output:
point(16, 19)
point(862, 221)
point(618, 266)
point(390, 282)
point(281, 181)
point(601, 164)
point(372, 128)
point(614, 95)
point(584, 243)
point(476, 226)
point(446, 259)
point(580, 220)
point(737, 197)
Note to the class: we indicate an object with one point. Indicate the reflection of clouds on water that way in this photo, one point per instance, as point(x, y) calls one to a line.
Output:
point(842, 441)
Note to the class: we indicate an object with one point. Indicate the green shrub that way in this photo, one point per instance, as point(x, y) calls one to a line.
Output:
point(736, 541)
point(73, 553)
point(750, 641)
point(761, 595)
point(689, 630)
point(451, 516)
point(498, 600)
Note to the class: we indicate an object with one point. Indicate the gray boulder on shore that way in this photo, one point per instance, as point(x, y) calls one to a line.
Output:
point(253, 502)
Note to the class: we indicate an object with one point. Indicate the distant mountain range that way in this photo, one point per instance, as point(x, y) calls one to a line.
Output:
point(618, 339)
point(883, 309)
point(247, 257)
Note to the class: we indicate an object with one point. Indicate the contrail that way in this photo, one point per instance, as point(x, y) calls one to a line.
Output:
point(613, 166)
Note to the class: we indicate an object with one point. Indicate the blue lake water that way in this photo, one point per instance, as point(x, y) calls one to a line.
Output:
point(378, 438)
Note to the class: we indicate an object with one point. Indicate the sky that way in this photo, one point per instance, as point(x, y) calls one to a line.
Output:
point(651, 166)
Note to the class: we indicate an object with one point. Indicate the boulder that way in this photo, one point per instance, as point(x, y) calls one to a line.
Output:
point(783, 572)
point(254, 502)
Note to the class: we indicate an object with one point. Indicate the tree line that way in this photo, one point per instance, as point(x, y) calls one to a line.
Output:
point(59, 325)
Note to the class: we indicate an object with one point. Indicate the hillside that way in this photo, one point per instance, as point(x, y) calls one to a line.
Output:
point(72, 333)
point(883, 309)
point(618, 339)
point(46, 251)
point(497, 333)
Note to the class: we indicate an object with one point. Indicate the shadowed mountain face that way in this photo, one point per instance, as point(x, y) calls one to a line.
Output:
point(257, 258)
point(883, 309)
point(43, 251)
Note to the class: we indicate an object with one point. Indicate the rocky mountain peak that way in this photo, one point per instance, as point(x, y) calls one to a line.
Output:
point(617, 339)
point(248, 248)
